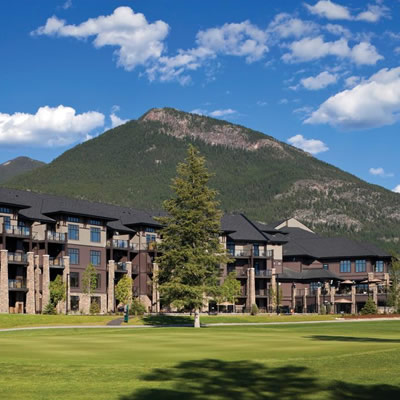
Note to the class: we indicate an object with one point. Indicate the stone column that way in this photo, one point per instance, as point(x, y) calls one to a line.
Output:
point(45, 281)
point(353, 299)
point(251, 286)
point(156, 294)
point(4, 305)
point(374, 293)
point(30, 284)
point(318, 300)
point(129, 273)
point(305, 300)
point(274, 290)
point(294, 293)
point(66, 280)
point(110, 286)
point(38, 274)
point(370, 276)
point(333, 291)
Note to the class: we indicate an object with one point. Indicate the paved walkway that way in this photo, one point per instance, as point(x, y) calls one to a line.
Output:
point(339, 320)
point(115, 322)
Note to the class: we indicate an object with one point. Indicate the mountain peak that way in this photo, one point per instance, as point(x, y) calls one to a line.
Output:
point(16, 166)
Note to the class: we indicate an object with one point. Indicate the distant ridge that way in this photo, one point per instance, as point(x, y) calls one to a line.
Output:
point(268, 180)
point(17, 166)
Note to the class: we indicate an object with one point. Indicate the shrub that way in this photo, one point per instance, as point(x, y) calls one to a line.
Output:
point(94, 308)
point(254, 309)
point(322, 311)
point(328, 308)
point(369, 307)
point(50, 309)
point(137, 308)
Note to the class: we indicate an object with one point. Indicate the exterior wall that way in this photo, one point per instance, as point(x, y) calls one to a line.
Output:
point(293, 223)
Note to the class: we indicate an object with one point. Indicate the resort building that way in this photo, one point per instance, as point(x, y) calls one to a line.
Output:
point(281, 266)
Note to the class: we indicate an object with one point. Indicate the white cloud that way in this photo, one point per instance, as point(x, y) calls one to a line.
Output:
point(380, 172)
point(397, 189)
point(372, 103)
point(117, 121)
point(283, 101)
point(329, 10)
point(58, 126)
point(137, 41)
point(312, 146)
point(222, 113)
point(320, 81)
point(338, 30)
point(313, 48)
point(199, 111)
point(352, 81)
point(284, 26)
point(67, 5)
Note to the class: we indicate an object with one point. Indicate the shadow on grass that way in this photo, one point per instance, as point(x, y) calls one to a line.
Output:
point(247, 380)
point(352, 339)
point(161, 320)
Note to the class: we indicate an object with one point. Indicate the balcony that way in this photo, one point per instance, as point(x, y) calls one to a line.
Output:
point(122, 244)
point(121, 267)
point(241, 272)
point(56, 236)
point(263, 273)
point(17, 284)
point(23, 231)
point(262, 292)
point(19, 258)
point(56, 262)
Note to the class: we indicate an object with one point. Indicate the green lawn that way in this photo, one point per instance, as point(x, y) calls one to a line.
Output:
point(359, 361)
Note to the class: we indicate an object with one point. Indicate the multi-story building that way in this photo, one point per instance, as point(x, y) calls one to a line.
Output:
point(279, 265)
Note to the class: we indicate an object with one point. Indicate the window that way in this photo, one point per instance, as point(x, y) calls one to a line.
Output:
point(72, 219)
point(98, 281)
point(95, 235)
point(7, 222)
point(95, 257)
point(361, 266)
point(230, 246)
point(150, 238)
point(256, 250)
point(326, 266)
point(148, 229)
point(345, 266)
point(362, 288)
point(5, 210)
point(313, 287)
point(74, 280)
point(74, 303)
point(94, 222)
point(379, 266)
point(73, 256)
point(73, 232)
point(257, 267)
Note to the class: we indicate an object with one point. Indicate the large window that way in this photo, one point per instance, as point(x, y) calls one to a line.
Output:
point(148, 229)
point(361, 266)
point(150, 238)
point(326, 266)
point(362, 288)
point(73, 232)
point(379, 266)
point(74, 303)
point(345, 266)
point(94, 222)
point(314, 287)
point(256, 250)
point(74, 280)
point(72, 219)
point(5, 210)
point(230, 246)
point(95, 257)
point(95, 235)
point(7, 222)
point(73, 256)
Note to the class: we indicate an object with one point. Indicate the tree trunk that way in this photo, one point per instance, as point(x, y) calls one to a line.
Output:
point(197, 319)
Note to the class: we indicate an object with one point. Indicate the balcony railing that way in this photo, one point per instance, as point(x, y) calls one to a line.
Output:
point(121, 266)
point(17, 283)
point(263, 273)
point(56, 236)
point(17, 230)
point(56, 262)
point(261, 292)
point(122, 244)
point(17, 257)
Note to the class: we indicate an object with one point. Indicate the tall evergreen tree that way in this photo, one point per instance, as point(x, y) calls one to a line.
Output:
point(394, 289)
point(190, 252)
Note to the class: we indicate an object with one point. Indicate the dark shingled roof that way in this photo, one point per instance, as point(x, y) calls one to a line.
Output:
point(239, 227)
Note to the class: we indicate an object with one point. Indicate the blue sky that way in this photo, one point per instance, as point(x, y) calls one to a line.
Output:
point(321, 75)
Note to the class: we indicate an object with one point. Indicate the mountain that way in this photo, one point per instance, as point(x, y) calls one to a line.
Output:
point(17, 166)
point(267, 179)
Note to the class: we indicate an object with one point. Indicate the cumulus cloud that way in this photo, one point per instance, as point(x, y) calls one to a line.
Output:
point(372, 103)
point(285, 26)
point(330, 10)
point(352, 81)
point(313, 48)
point(222, 113)
point(320, 81)
point(380, 172)
point(58, 126)
point(137, 40)
point(397, 189)
point(312, 146)
point(117, 121)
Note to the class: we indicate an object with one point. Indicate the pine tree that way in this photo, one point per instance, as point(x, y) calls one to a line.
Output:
point(190, 252)
point(369, 307)
point(394, 289)
point(123, 290)
point(57, 290)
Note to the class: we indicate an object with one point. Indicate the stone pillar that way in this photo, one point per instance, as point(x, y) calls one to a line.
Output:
point(66, 280)
point(333, 291)
point(4, 305)
point(251, 286)
point(156, 294)
point(374, 293)
point(294, 293)
point(110, 286)
point(38, 274)
point(45, 281)
point(274, 292)
point(129, 273)
point(305, 300)
point(318, 300)
point(370, 276)
point(30, 284)
point(353, 299)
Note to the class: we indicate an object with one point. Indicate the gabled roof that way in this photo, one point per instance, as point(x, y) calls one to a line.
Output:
point(238, 227)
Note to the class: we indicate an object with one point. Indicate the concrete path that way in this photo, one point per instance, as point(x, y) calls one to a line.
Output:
point(339, 320)
point(115, 322)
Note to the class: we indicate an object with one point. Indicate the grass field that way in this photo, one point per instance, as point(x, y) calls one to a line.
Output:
point(359, 361)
